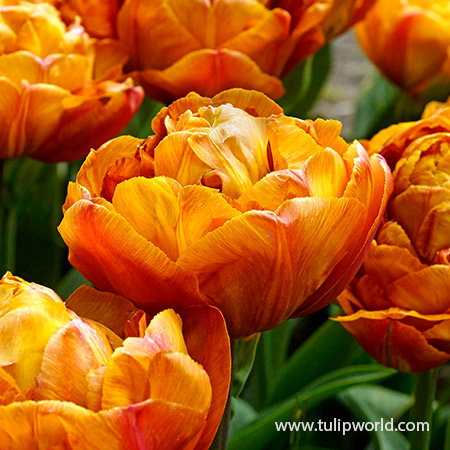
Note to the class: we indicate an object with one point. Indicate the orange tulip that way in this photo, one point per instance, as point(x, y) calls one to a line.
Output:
point(98, 16)
point(408, 40)
point(265, 216)
point(71, 382)
point(49, 71)
point(208, 46)
point(399, 306)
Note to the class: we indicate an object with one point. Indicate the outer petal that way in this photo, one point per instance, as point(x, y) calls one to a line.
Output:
point(224, 262)
point(107, 251)
point(208, 72)
point(393, 343)
point(102, 115)
point(113, 311)
point(208, 343)
point(320, 233)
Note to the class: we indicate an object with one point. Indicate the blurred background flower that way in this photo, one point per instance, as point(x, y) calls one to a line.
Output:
point(59, 94)
point(113, 384)
point(263, 215)
point(409, 41)
point(398, 308)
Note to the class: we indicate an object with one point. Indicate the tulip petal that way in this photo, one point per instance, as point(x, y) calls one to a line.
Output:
point(439, 336)
point(208, 343)
point(388, 263)
point(236, 149)
point(165, 330)
point(290, 145)
point(207, 72)
point(174, 158)
point(151, 207)
point(391, 233)
point(97, 117)
point(70, 354)
point(395, 344)
point(253, 102)
point(205, 20)
point(176, 378)
point(325, 174)
point(113, 311)
point(433, 234)
point(27, 330)
point(151, 425)
point(142, 22)
point(426, 291)
point(39, 425)
point(224, 262)
point(411, 207)
point(262, 42)
point(202, 210)
point(98, 162)
point(119, 260)
point(276, 187)
point(320, 233)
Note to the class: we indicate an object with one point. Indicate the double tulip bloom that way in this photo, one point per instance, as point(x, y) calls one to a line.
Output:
point(59, 97)
point(399, 306)
point(409, 41)
point(72, 382)
point(179, 46)
point(262, 215)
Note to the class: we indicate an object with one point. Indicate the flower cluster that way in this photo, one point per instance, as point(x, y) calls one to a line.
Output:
point(399, 306)
point(72, 381)
point(58, 72)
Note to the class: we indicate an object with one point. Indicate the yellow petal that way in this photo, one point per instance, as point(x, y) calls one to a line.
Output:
point(276, 187)
point(174, 158)
point(111, 310)
point(152, 209)
point(70, 354)
point(325, 174)
point(290, 145)
point(202, 210)
point(165, 330)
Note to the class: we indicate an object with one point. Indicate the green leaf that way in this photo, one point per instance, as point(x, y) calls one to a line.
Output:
point(243, 358)
point(258, 434)
point(322, 352)
point(381, 104)
point(304, 83)
point(243, 414)
point(373, 403)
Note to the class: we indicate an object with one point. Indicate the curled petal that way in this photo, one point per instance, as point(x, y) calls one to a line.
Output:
point(208, 72)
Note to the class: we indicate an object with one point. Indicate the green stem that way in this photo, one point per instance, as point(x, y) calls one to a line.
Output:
point(422, 410)
point(221, 438)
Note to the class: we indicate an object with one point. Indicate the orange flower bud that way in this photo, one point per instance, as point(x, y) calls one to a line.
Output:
point(264, 216)
point(399, 306)
point(48, 70)
point(72, 382)
point(408, 40)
